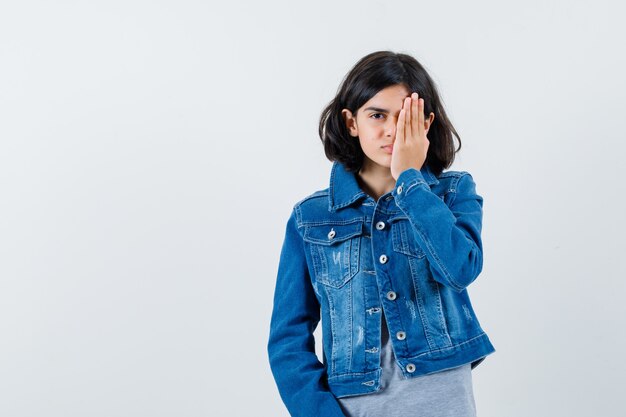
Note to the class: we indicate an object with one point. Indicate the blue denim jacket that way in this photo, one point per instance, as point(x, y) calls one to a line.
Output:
point(347, 257)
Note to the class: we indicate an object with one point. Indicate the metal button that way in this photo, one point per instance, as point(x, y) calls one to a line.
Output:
point(400, 190)
point(380, 225)
point(410, 367)
point(331, 234)
point(383, 259)
point(391, 295)
point(401, 335)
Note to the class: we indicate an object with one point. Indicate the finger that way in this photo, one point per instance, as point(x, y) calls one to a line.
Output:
point(407, 120)
point(414, 113)
point(420, 118)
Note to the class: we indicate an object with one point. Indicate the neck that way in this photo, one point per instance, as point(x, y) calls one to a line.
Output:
point(375, 179)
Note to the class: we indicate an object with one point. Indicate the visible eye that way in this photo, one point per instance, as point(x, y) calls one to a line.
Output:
point(374, 114)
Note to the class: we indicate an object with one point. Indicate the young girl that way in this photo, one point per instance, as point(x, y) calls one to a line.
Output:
point(383, 258)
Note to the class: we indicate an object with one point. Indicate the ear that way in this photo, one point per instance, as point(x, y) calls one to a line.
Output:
point(429, 122)
point(350, 122)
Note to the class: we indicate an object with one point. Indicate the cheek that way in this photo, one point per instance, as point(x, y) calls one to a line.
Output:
point(369, 146)
point(366, 144)
point(372, 130)
point(370, 133)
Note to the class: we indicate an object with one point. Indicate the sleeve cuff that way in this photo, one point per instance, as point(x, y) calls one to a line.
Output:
point(407, 180)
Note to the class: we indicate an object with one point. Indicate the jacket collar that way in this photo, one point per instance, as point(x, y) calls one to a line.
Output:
point(345, 190)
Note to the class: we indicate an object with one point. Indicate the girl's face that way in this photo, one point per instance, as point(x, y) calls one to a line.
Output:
point(375, 124)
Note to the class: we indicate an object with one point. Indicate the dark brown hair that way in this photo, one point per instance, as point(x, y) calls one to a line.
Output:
point(374, 72)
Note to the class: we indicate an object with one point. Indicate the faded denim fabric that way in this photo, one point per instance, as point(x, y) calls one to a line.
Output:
point(347, 257)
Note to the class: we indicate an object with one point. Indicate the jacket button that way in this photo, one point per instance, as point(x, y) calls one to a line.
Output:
point(401, 335)
point(410, 367)
point(383, 259)
point(331, 234)
point(400, 190)
point(391, 295)
point(380, 225)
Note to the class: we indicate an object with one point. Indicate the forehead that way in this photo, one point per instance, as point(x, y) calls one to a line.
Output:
point(389, 98)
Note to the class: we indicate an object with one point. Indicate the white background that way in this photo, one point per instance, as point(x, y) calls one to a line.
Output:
point(151, 153)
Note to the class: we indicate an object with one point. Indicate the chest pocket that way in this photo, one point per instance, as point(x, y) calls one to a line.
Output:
point(335, 251)
point(403, 236)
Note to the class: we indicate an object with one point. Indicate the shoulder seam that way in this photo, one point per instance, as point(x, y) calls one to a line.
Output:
point(296, 210)
point(453, 186)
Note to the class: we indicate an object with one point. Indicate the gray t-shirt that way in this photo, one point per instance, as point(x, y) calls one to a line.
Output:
point(445, 393)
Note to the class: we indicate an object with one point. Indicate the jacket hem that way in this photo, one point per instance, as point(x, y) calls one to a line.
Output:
point(473, 351)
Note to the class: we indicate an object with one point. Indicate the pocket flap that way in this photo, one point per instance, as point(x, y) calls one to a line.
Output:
point(396, 217)
point(329, 234)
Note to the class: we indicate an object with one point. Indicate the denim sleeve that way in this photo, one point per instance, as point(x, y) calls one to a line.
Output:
point(449, 236)
point(299, 375)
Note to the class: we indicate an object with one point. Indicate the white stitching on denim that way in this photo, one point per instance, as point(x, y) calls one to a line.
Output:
point(413, 185)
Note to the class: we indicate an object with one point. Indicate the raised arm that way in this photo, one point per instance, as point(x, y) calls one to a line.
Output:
point(449, 236)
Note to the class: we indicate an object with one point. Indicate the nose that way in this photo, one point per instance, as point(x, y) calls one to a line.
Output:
point(390, 127)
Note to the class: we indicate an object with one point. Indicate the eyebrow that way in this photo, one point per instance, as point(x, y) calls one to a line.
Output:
point(378, 109)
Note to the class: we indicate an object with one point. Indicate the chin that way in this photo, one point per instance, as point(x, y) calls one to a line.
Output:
point(385, 163)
